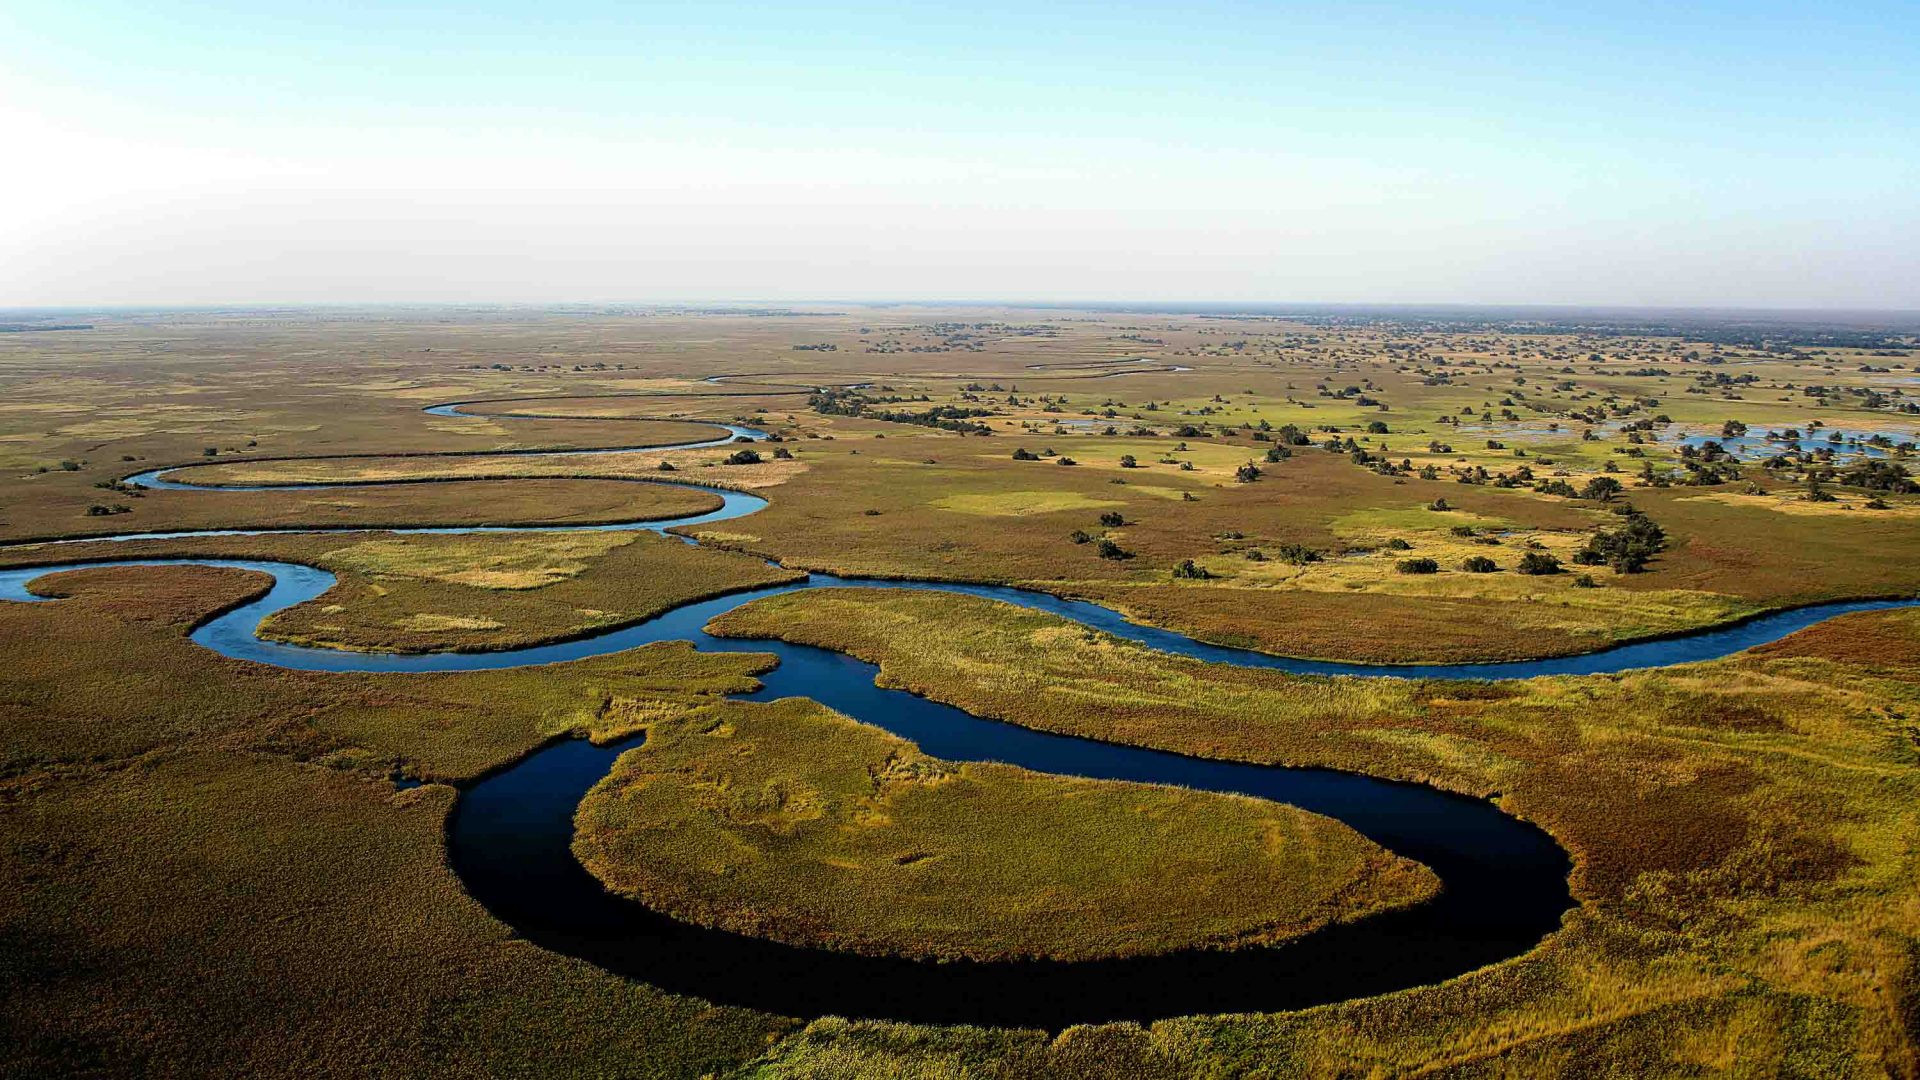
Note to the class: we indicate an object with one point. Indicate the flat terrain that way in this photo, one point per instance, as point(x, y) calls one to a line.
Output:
point(207, 867)
point(791, 822)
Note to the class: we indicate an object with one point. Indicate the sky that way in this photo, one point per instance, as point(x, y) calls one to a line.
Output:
point(1718, 154)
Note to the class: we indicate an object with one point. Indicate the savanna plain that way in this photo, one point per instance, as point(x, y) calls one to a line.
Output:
point(215, 866)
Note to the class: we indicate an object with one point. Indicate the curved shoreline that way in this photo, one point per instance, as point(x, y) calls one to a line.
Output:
point(509, 835)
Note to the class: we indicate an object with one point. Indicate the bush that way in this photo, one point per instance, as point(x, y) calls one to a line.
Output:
point(1079, 536)
point(1585, 581)
point(1479, 564)
point(1298, 554)
point(744, 457)
point(1247, 473)
point(1417, 566)
point(1066, 461)
point(1110, 550)
point(781, 453)
point(1127, 461)
point(1188, 570)
point(1113, 519)
point(1024, 454)
point(1397, 544)
point(665, 466)
point(1439, 504)
point(1538, 563)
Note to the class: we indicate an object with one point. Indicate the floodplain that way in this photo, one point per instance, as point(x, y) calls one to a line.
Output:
point(189, 835)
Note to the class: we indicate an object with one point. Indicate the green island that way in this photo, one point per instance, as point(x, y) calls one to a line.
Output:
point(792, 822)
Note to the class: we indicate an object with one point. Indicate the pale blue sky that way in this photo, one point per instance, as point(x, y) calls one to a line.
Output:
point(1715, 154)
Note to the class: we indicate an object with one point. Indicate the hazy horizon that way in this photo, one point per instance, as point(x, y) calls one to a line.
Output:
point(1754, 157)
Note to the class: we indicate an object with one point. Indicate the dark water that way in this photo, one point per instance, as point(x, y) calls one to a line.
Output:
point(1505, 882)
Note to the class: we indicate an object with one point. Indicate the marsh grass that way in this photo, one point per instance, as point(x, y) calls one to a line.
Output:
point(789, 821)
point(1741, 830)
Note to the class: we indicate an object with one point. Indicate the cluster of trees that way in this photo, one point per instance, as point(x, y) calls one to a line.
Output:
point(1878, 474)
point(839, 401)
point(1627, 549)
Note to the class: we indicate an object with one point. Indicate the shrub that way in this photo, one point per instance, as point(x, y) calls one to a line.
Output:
point(1479, 564)
point(665, 466)
point(1127, 461)
point(1024, 454)
point(1417, 566)
point(1585, 581)
point(1110, 550)
point(1079, 536)
point(1298, 554)
point(1397, 544)
point(1113, 519)
point(1439, 504)
point(1188, 570)
point(781, 453)
point(1538, 563)
point(1066, 461)
point(744, 457)
point(1247, 473)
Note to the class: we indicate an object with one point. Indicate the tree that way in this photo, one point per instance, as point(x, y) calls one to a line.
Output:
point(1110, 550)
point(1732, 429)
point(1627, 549)
point(1127, 461)
point(1601, 489)
point(1247, 473)
point(1479, 564)
point(1417, 566)
point(1538, 563)
point(1187, 569)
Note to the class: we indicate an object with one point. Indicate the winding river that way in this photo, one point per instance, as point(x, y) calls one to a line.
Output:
point(510, 834)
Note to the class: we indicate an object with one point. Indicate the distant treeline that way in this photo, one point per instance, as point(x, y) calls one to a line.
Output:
point(27, 328)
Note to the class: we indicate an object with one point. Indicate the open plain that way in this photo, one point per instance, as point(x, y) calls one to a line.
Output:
point(1299, 542)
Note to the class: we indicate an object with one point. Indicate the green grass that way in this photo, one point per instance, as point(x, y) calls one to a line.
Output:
point(1742, 831)
point(204, 870)
point(789, 821)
